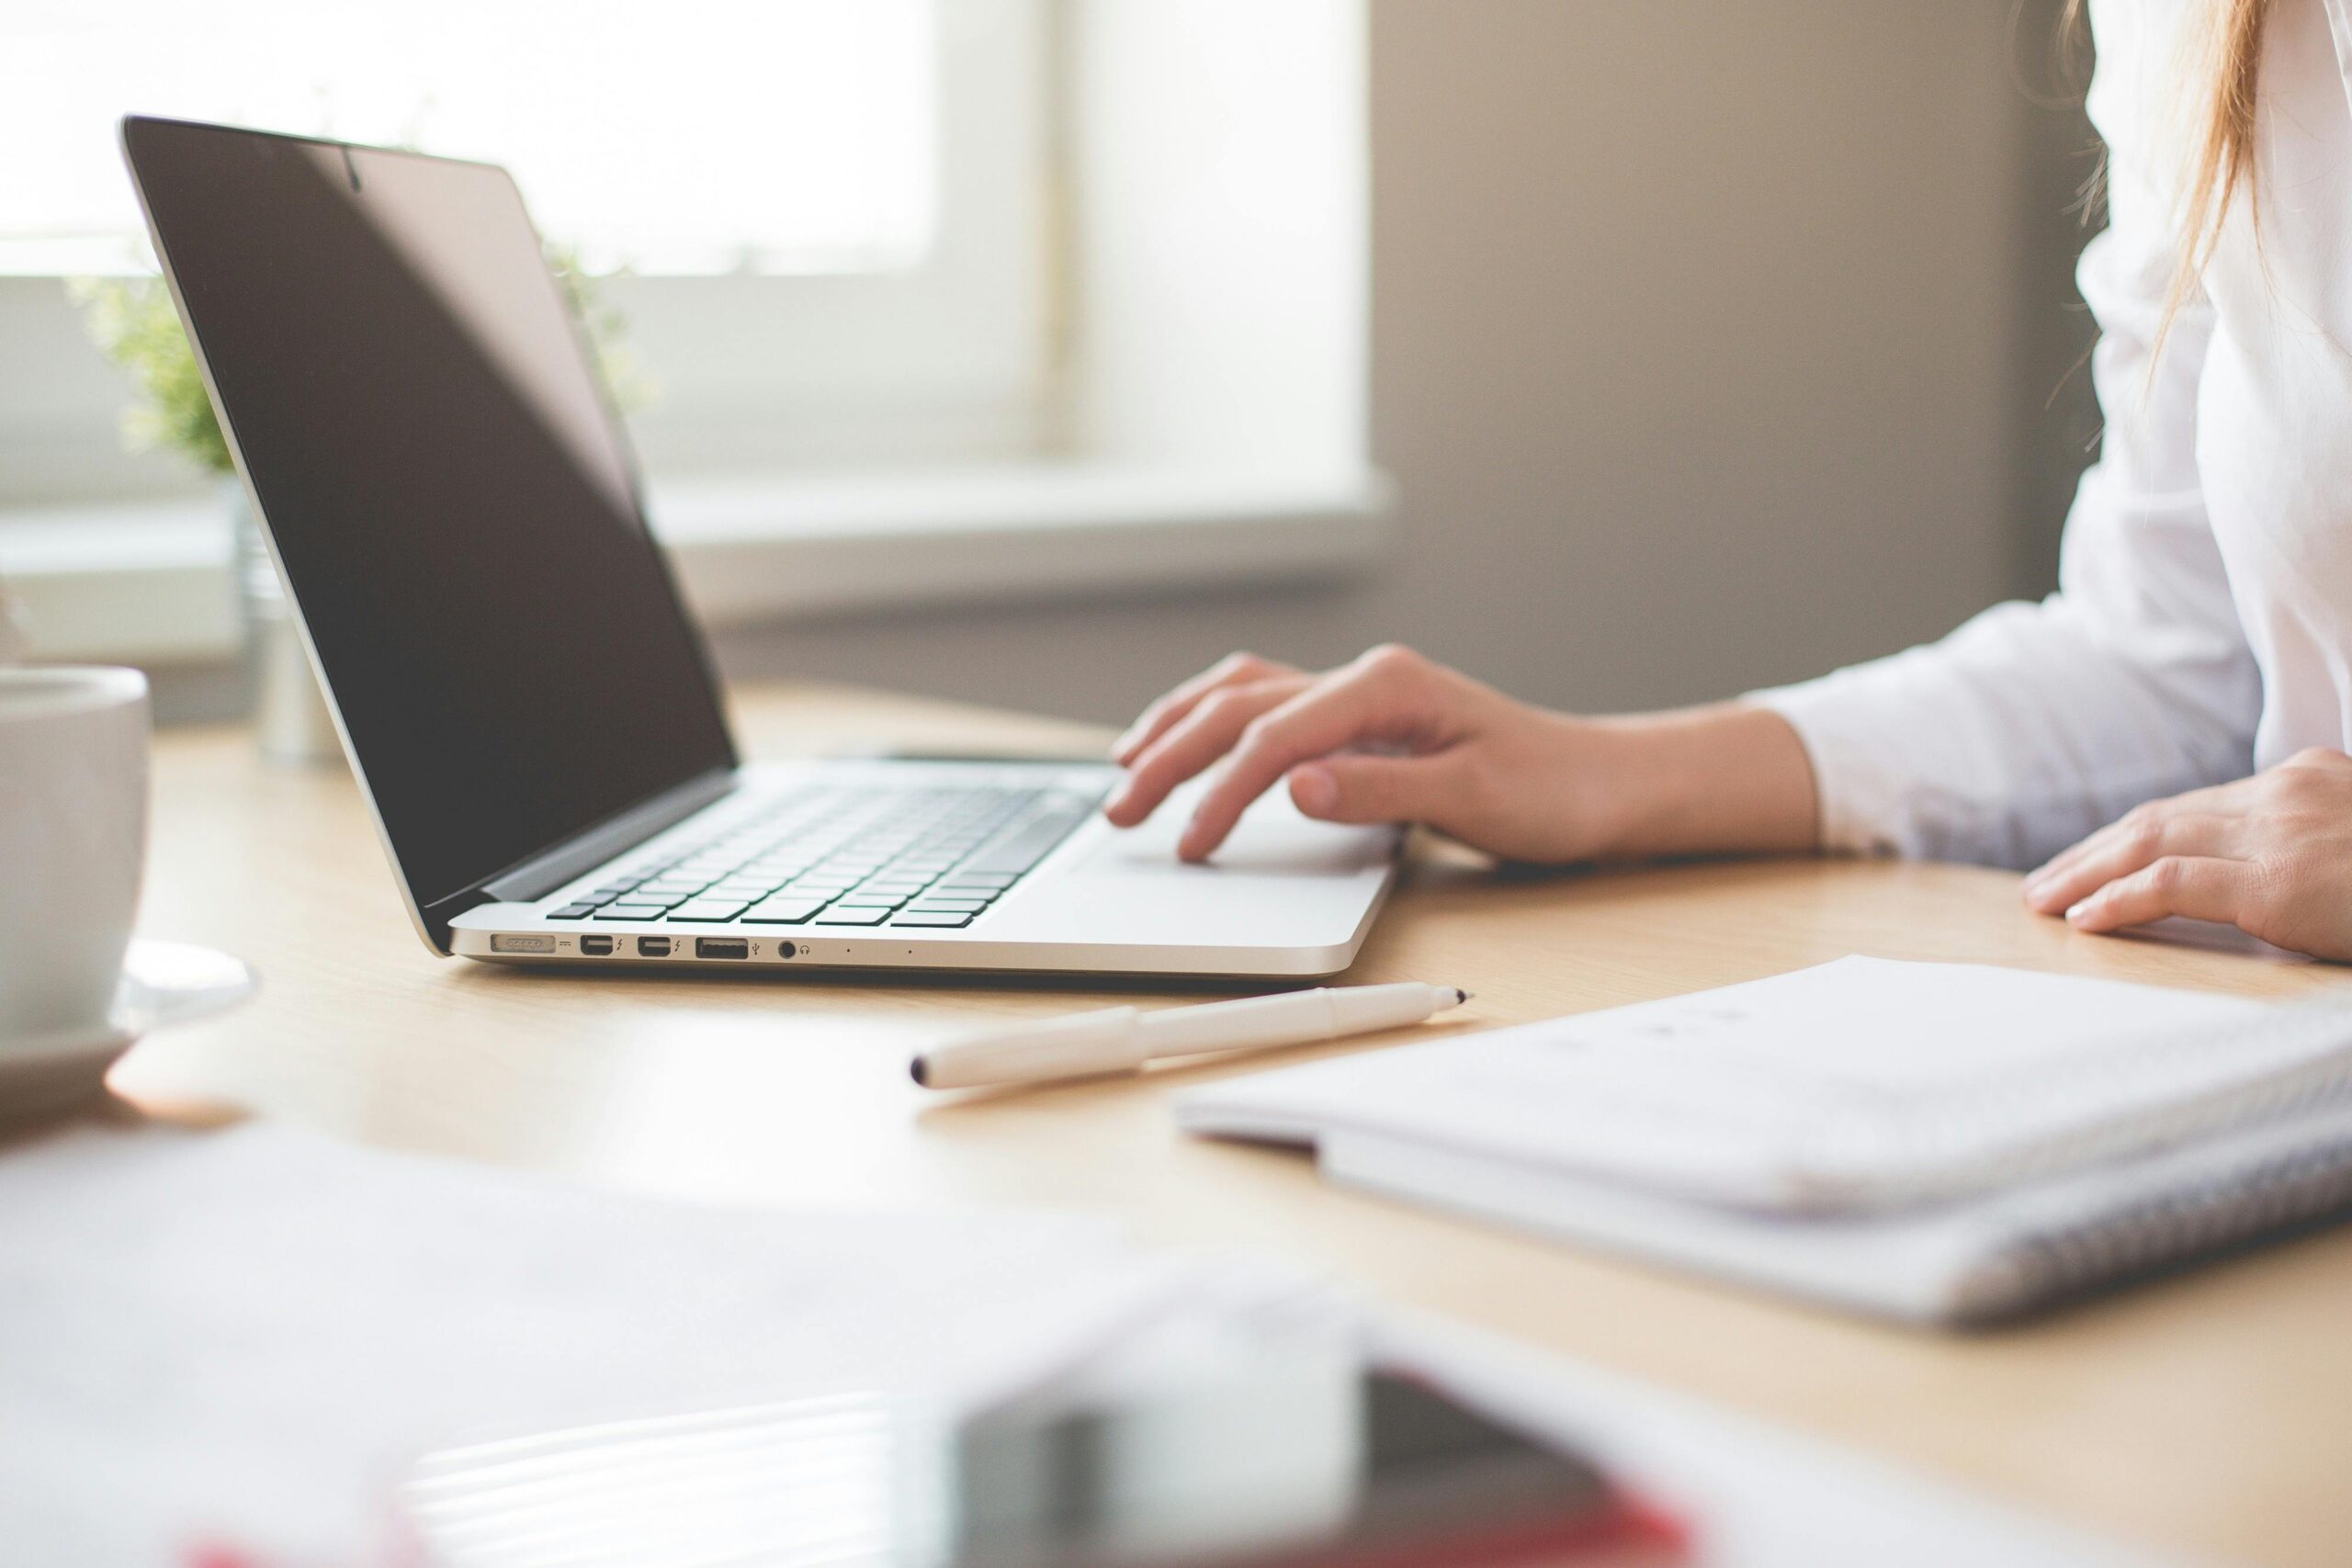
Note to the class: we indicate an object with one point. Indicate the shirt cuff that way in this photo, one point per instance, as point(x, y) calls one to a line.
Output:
point(1862, 800)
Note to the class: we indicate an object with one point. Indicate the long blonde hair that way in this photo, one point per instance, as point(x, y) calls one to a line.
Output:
point(2222, 67)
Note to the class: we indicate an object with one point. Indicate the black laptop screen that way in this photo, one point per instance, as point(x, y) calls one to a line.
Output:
point(445, 488)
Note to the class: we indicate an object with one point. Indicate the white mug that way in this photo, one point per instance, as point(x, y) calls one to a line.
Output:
point(73, 842)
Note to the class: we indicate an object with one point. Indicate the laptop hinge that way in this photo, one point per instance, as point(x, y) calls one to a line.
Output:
point(541, 874)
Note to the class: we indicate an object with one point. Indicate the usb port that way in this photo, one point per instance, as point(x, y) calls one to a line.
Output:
point(722, 947)
point(596, 946)
point(653, 947)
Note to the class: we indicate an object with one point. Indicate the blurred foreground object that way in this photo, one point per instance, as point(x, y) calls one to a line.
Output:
point(260, 1329)
point(1274, 1453)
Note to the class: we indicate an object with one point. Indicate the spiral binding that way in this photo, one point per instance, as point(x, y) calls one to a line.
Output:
point(2223, 1208)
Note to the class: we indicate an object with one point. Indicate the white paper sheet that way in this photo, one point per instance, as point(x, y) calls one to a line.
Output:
point(247, 1336)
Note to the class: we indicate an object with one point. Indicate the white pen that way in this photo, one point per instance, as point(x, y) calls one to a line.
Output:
point(1121, 1040)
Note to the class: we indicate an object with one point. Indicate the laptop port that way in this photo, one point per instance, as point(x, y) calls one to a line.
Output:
point(499, 943)
point(653, 947)
point(722, 947)
point(596, 946)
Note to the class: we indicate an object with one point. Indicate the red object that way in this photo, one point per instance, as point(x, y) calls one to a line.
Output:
point(1626, 1533)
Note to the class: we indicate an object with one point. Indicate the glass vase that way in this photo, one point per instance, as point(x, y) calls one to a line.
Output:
point(292, 724)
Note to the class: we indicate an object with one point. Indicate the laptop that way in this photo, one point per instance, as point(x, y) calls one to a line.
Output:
point(526, 703)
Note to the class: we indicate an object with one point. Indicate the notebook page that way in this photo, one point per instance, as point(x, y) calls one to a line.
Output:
point(1733, 1095)
point(1877, 1027)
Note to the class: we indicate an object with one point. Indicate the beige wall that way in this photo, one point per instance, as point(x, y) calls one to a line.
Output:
point(1711, 343)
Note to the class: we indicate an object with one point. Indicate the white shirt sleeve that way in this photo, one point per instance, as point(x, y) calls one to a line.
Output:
point(2035, 723)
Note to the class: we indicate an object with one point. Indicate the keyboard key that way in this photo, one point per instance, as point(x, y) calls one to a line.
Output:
point(632, 911)
point(863, 900)
point(837, 916)
point(951, 905)
point(709, 910)
point(784, 911)
point(982, 880)
point(573, 913)
point(947, 918)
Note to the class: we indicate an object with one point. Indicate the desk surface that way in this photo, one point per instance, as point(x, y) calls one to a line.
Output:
point(2209, 1413)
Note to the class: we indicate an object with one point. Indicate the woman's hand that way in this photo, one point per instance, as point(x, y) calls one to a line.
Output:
point(1394, 738)
point(2270, 854)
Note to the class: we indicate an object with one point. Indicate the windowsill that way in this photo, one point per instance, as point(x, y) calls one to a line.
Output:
point(151, 583)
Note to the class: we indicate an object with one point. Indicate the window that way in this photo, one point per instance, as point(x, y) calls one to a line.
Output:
point(826, 209)
point(804, 144)
point(945, 299)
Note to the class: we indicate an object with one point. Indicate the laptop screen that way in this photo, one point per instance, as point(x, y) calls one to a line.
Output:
point(446, 486)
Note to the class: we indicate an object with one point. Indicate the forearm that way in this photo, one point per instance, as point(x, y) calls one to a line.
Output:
point(1722, 779)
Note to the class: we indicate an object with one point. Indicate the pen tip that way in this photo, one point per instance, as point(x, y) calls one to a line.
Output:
point(920, 1070)
point(1459, 995)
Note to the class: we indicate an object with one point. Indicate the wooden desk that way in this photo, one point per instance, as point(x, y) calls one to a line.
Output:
point(2210, 1414)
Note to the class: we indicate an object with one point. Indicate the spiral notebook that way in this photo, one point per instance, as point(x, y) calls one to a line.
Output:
point(1942, 1143)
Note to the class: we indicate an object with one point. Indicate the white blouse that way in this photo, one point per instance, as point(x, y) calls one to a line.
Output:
point(2202, 628)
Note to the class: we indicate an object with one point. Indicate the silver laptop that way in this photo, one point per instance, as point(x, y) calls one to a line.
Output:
point(530, 712)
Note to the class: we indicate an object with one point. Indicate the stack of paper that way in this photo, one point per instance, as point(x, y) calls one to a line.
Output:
point(248, 1337)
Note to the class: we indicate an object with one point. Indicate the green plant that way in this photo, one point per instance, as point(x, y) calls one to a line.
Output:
point(132, 322)
point(135, 325)
point(625, 381)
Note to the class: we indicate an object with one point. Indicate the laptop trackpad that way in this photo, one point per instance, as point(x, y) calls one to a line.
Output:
point(1280, 882)
point(1273, 839)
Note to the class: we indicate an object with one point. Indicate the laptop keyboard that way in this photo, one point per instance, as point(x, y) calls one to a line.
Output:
point(918, 857)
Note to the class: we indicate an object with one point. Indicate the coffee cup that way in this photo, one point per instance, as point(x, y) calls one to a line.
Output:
point(72, 844)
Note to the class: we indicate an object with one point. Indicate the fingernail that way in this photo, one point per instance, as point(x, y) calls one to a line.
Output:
point(1315, 790)
point(2077, 913)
